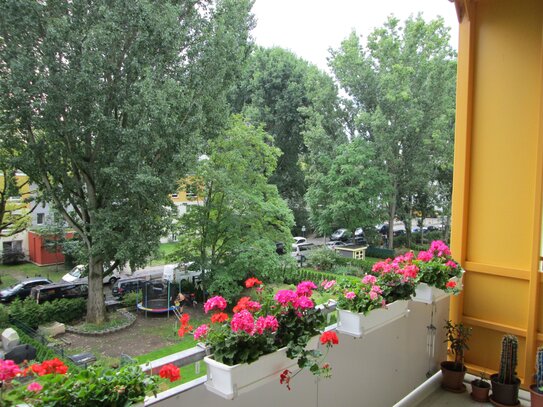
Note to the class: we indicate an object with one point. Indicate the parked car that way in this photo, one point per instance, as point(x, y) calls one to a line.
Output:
point(280, 248)
point(303, 251)
point(417, 229)
point(398, 229)
point(359, 237)
point(80, 272)
point(49, 292)
point(127, 285)
point(22, 289)
point(298, 240)
point(341, 234)
point(335, 243)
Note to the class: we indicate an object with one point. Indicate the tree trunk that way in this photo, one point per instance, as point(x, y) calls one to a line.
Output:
point(391, 217)
point(96, 307)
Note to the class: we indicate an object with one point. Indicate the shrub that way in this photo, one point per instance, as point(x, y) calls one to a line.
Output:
point(364, 266)
point(4, 317)
point(33, 314)
point(130, 300)
point(324, 259)
point(347, 270)
point(379, 252)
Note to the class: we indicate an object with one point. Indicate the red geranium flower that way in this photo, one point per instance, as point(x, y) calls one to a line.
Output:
point(450, 284)
point(170, 372)
point(285, 378)
point(329, 338)
point(219, 317)
point(251, 282)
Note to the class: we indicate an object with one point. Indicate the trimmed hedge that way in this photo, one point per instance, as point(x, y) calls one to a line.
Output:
point(318, 276)
point(379, 252)
point(32, 314)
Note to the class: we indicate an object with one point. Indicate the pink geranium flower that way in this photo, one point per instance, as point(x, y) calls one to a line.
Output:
point(201, 331)
point(243, 321)
point(284, 297)
point(350, 295)
point(216, 302)
point(34, 387)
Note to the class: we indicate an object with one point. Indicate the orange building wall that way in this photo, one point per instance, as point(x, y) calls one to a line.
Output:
point(39, 255)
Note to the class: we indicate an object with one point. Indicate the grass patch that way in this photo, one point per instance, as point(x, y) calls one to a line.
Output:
point(10, 274)
point(115, 320)
point(164, 251)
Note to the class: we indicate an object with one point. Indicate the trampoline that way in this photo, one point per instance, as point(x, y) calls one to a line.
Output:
point(157, 306)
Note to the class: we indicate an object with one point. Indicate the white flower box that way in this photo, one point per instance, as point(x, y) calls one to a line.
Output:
point(230, 381)
point(357, 325)
point(429, 295)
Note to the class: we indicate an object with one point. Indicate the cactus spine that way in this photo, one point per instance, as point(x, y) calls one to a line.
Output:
point(539, 368)
point(508, 362)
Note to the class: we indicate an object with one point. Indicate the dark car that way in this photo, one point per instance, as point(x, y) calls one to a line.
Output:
point(280, 248)
point(341, 234)
point(22, 289)
point(127, 285)
point(51, 292)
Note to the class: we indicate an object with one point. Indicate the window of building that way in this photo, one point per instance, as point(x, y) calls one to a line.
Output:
point(192, 191)
point(175, 195)
point(40, 218)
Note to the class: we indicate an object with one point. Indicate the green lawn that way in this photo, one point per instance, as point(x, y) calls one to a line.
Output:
point(10, 274)
point(164, 250)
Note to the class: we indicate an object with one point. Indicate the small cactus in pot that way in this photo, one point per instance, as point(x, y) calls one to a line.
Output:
point(536, 389)
point(505, 384)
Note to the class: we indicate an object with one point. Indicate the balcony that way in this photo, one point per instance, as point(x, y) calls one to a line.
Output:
point(378, 369)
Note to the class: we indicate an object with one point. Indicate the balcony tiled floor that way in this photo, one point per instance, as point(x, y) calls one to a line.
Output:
point(442, 398)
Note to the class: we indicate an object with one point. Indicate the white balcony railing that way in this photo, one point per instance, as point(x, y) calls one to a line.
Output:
point(376, 370)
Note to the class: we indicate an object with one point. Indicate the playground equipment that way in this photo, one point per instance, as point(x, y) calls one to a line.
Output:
point(159, 296)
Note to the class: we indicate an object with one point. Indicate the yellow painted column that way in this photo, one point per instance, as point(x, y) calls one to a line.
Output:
point(498, 178)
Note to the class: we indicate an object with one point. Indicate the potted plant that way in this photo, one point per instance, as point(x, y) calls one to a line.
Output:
point(505, 383)
point(439, 275)
point(50, 383)
point(536, 390)
point(480, 388)
point(263, 339)
point(453, 371)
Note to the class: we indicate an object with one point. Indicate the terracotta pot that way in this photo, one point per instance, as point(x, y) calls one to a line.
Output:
point(536, 397)
point(505, 394)
point(480, 390)
point(453, 377)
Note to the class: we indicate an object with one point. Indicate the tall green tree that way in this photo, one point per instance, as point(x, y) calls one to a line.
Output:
point(107, 102)
point(402, 84)
point(348, 193)
point(232, 233)
point(283, 91)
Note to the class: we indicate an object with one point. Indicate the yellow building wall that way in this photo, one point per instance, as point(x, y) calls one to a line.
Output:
point(497, 190)
point(24, 187)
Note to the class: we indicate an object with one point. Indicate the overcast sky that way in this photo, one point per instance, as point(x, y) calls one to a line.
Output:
point(310, 27)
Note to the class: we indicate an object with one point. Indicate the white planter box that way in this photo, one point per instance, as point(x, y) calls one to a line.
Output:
point(357, 325)
point(230, 381)
point(429, 295)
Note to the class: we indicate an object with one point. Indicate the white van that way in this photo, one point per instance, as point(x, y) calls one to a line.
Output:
point(79, 272)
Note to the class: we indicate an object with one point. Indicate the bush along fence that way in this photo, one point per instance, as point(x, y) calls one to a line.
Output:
point(32, 314)
point(44, 350)
point(379, 252)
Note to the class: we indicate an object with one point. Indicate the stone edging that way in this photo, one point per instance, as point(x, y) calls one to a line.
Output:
point(130, 319)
